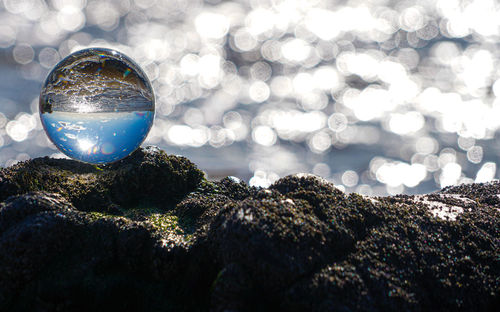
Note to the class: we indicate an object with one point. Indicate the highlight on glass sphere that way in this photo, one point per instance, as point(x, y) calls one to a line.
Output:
point(97, 105)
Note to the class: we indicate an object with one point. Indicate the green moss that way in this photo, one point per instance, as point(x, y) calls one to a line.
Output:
point(165, 223)
point(95, 216)
point(205, 187)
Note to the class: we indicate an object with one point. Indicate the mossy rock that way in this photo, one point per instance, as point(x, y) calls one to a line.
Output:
point(147, 176)
point(151, 233)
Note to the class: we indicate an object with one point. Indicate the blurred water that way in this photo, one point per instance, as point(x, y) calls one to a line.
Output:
point(379, 96)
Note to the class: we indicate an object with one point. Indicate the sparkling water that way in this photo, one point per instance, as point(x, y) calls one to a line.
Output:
point(97, 106)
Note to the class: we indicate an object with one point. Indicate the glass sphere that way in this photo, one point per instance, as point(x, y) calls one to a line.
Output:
point(97, 105)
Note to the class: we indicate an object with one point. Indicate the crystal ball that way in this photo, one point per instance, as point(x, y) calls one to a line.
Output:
point(97, 105)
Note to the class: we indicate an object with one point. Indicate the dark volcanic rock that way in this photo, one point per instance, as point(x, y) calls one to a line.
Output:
point(147, 176)
point(150, 233)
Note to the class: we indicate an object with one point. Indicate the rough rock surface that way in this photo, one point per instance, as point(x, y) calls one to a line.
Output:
point(150, 233)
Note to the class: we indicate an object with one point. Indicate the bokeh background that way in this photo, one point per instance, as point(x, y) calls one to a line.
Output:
point(378, 96)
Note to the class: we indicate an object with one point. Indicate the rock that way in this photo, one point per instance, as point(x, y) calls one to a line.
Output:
point(147, 176)
point(151, 233)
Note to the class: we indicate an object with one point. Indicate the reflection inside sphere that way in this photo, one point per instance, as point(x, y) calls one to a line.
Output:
point(97, 106)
